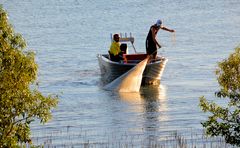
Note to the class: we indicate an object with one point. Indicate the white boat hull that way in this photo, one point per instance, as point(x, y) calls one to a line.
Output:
point(111, 70)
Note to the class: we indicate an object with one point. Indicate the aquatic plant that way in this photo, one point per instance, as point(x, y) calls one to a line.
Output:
point(225, 120)
point(173, 139)
point(20, 100)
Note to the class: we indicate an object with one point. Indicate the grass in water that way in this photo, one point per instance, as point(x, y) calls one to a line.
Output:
point(170, 139)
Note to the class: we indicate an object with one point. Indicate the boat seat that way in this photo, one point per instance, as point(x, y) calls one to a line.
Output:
point(116, 58)
point(134, 58)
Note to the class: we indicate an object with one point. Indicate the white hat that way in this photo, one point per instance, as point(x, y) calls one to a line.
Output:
point(159, 23)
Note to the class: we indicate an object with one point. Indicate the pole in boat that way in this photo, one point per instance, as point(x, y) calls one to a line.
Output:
point(129, 81)
point(132, 43)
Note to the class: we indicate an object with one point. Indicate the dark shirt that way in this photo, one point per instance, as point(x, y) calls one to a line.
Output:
point(151, 46)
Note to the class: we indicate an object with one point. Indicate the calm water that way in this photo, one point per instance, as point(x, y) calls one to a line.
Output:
point(67, 35)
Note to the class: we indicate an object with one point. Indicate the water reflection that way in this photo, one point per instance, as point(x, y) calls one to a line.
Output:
point(146, 94)
point(151, 101)
point(155, 114)
point(155, 99)
point(134, 97)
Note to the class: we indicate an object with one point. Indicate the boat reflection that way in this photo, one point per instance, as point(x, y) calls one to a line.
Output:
point(147, 93)
point(133, 97)
point(145, 113)
point(155, 99)
point(151, 103)
point(150, 99)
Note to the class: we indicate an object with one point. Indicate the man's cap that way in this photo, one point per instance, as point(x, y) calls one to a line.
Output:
point(159, 23)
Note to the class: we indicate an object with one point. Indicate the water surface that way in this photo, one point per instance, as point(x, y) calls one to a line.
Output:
point(67, 35)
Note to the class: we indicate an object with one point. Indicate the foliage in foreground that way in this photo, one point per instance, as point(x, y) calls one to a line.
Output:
point(225, 120)
point(20, 101)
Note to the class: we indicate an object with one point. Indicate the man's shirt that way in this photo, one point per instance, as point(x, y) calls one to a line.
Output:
point(115, 48)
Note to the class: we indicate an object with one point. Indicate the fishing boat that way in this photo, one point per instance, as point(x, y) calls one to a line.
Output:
point(110, 70)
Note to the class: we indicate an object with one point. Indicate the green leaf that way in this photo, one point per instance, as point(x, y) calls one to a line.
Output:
point(20, 104)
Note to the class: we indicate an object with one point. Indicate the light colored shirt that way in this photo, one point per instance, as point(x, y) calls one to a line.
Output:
point(115, 48)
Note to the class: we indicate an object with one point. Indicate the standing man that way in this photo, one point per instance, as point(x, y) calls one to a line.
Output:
point(151, 43)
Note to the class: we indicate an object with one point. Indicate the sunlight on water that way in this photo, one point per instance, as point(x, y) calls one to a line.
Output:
point(157, 93)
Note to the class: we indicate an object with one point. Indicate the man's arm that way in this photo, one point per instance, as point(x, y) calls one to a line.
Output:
point(165, 28)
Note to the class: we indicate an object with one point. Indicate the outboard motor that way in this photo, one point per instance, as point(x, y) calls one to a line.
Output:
point(123, 48)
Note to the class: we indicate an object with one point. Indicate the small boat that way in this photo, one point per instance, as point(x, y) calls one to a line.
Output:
point(110, 70)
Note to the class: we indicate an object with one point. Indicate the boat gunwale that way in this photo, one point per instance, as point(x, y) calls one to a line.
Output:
point(102, 56)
